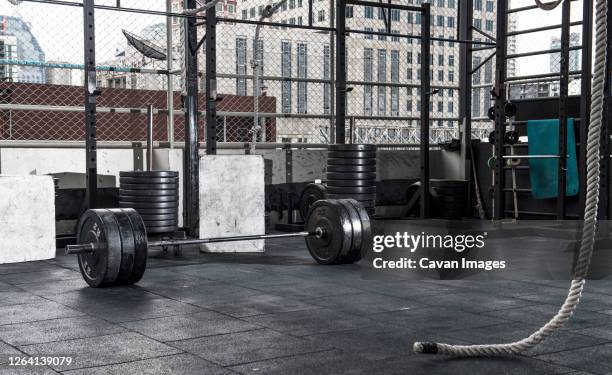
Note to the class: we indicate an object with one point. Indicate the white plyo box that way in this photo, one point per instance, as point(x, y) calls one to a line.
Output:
point(232, 201)
point(27, 218)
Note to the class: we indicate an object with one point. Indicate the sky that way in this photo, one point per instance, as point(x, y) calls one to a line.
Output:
point(59, 29)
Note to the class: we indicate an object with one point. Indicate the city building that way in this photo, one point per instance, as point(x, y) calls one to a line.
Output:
point(58, 76)
point(18, 42)
point(575, 55)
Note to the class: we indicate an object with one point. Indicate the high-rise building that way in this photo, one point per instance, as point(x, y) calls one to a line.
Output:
point(575, 55)
point(58, 76)
point(383, 72)
point(18, 42)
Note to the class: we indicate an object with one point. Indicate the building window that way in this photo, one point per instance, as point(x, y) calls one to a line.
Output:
point(380, 36)
point(260, 60)
point(368, 12)
point(241, 65)
point(302, 87)
point(450, 21)
point(451, 107)
point(440, 75)
point(395, 57)
point(382, 77)
point(395, 15)
point(489, 25)
point(476, 75)
point(410, 17)
point(349, 12)
point(326, 75)
point(381, 14)
point(291, 4)
point(451, 60)
point(252, 12)
point(367, 77)
point(490, 6)
point(440, 21)
point(245, 14)
point(368, 36)
point(451, 76)
point(321, 16)
point(286, 72)
point(478, 4)
point(451, 4)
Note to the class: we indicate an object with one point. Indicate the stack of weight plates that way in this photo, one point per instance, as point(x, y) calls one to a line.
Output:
point(154, 195)
point(312, 192)
point(351, 174)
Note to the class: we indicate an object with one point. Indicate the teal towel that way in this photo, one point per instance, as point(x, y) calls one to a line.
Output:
point(544, 173)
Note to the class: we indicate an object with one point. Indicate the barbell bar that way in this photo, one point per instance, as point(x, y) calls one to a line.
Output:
point(112, 244)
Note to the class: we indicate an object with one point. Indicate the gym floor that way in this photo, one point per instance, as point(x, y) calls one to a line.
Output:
point(280, 313)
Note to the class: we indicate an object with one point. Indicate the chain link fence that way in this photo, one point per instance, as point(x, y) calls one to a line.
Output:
point(283, 82)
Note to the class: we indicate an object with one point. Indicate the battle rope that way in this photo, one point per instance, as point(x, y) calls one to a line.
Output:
point(548, 6)
point(588, 229)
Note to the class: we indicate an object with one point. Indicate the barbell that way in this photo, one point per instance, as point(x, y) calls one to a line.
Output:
point(112, 245)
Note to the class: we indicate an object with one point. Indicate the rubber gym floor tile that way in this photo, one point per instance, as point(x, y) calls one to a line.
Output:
point(25, 267)
point(307, 289)
point(102, 350)
point(320, 363)
point(434, 319)
point(540, 314)
point(184, 364)
point(594, 359)
point(474, 302)
point(47, 288)
point(51, 274)
point(403, 288)
point(18, 298)
point(310, 322)
point(246, 347)
point(588, 301)
point(562, 340)
point(56, 330)
point(118, 309)
point(6, 287)
point(258, 304)
point(365, 303)
point(183, 327)
point(33, 312)
point(603, 332)
point(373, 342)
point(210, 293)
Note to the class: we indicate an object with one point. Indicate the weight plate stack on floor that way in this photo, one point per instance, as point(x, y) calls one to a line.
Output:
point(311, 193)
point(154, 195)
point(351, 174)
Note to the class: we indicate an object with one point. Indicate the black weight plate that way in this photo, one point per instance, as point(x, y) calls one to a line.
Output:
point(346, 231)
point(367, 203)
point(352, 147)
point(351, 183)
point(160, 223)
point(351, 176)
point(159, 217)
point(158, 211)
point(336, 161)
point(366, 230)
point(326, 249)
point(146, 198)
point(170, 229)
point(140, 245)
point(357, 197)
point(351, 168)
point(149, 186)
point(351, 155)
point(148, 180)
point(128, 246)
point(311, 193)
point(148, 174)
point(101, 267)
point(352, 189)
point(155, 193)
point(356, 228)
point(147, 205)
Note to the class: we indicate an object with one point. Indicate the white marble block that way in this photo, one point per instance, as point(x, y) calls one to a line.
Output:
point(232, 201)
point(27, 218)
